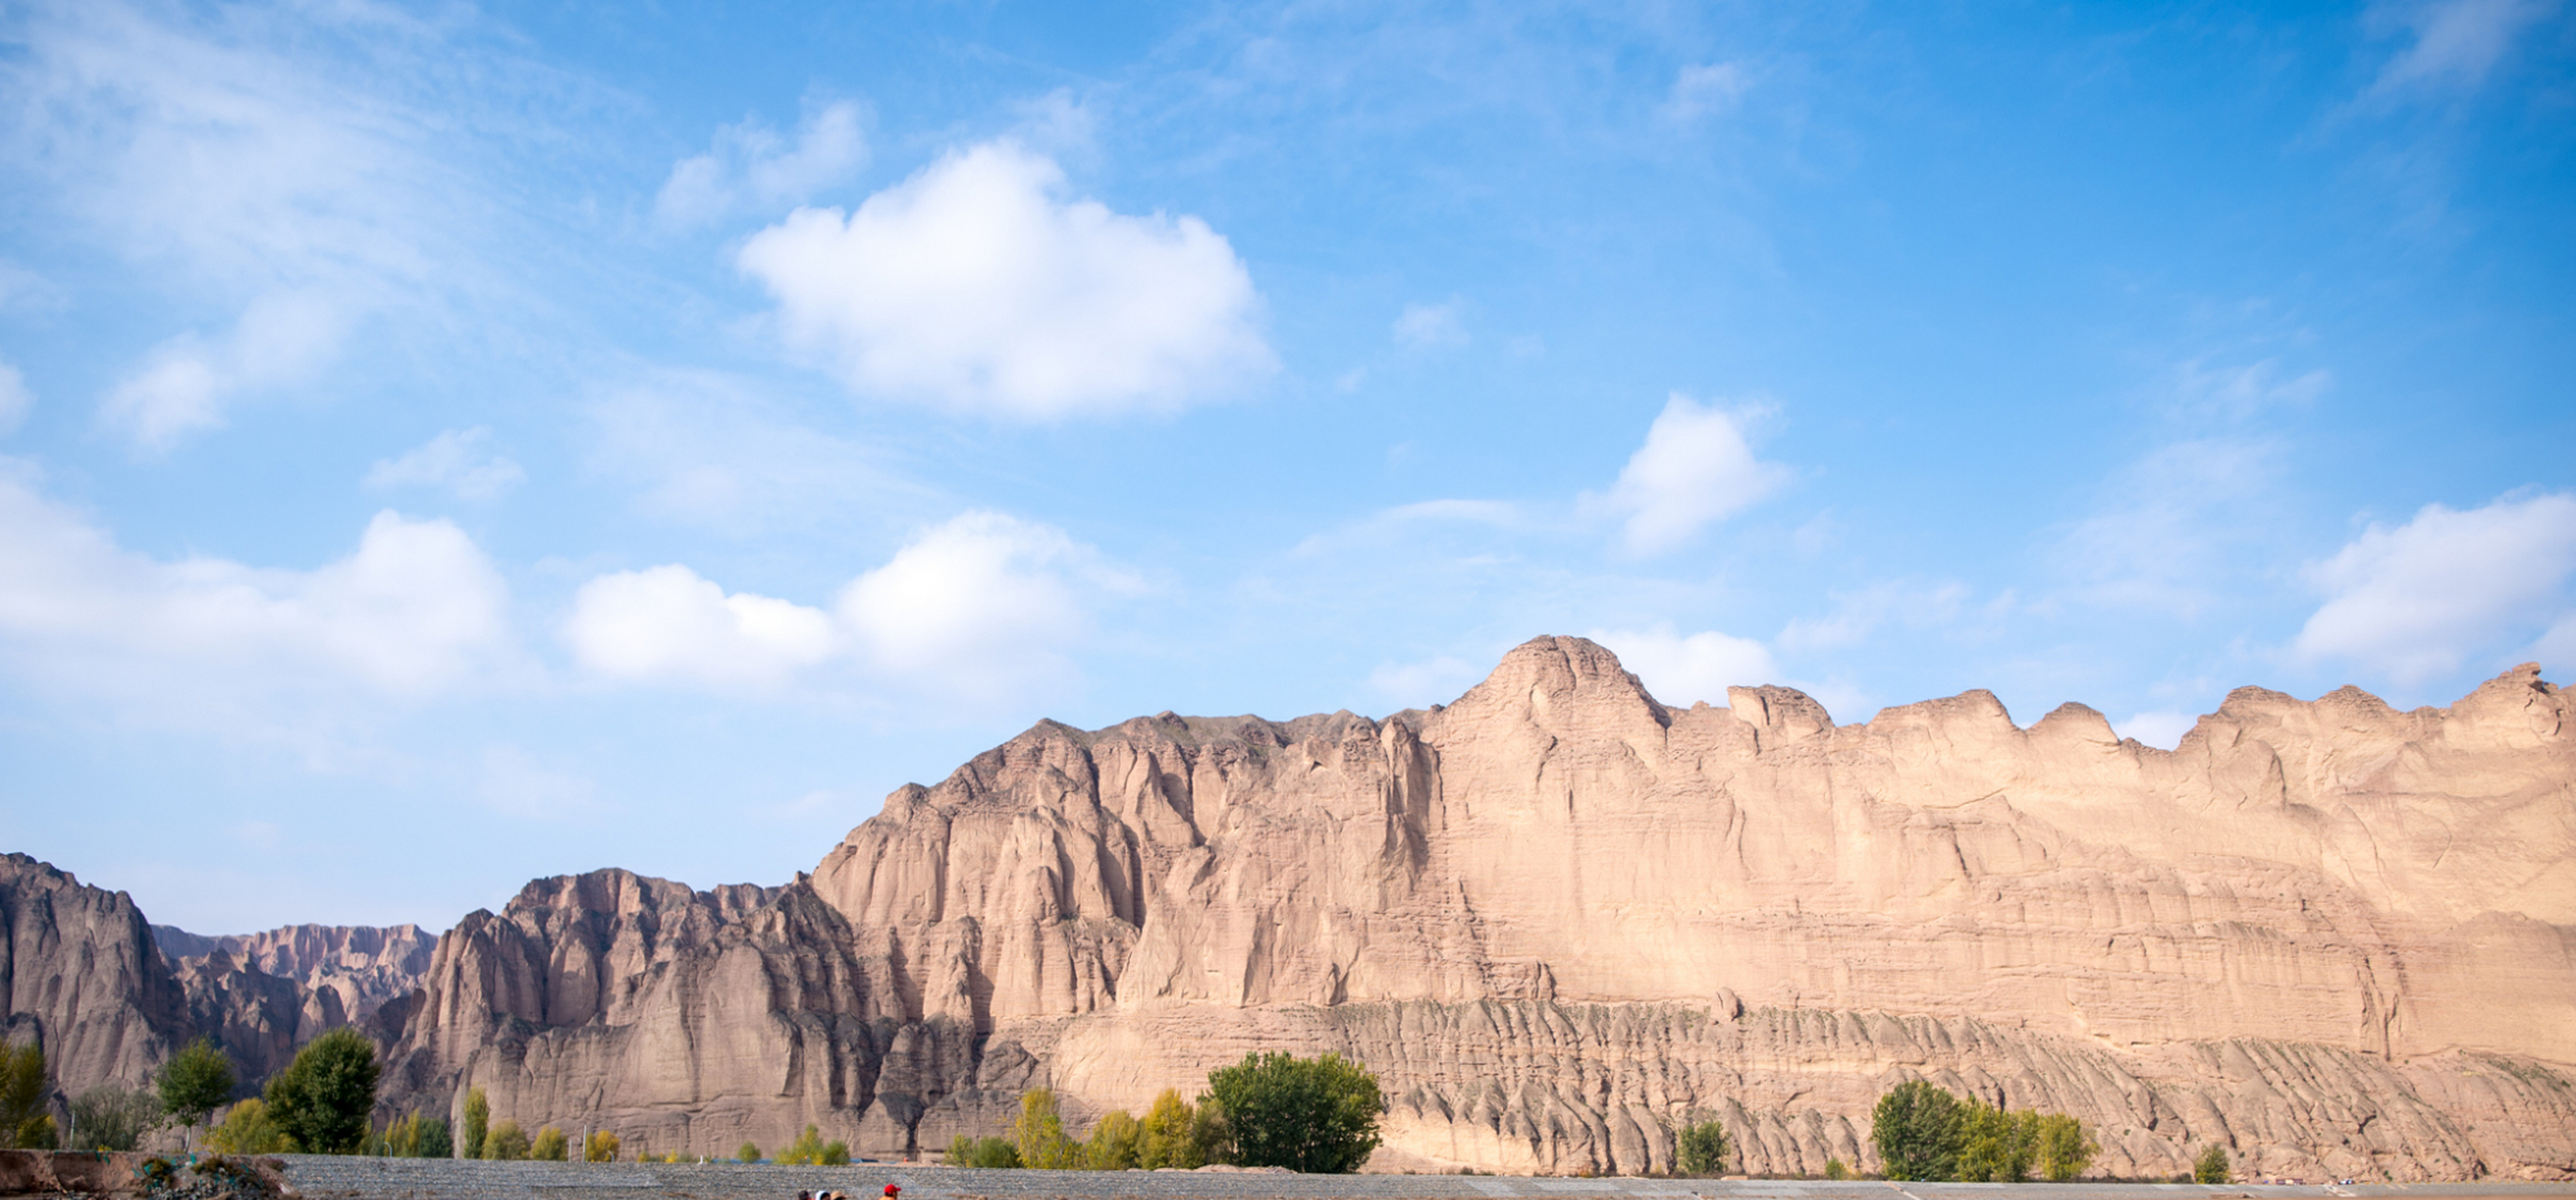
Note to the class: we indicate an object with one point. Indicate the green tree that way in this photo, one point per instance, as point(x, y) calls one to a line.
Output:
point(2064, 1150)
point(24, 1123)
point(2212, 1167)
point(836, 1153)
point(506, 1143)
point(600, 1147)
point(247, 1129)
point(322, 1098)
point(1700, 1148)
point(1916, 1128)
point(478, 1123)
point(551, 1145)
point(111, 1118)
point(1169, 1135)
point(747, 1152)
point(195, 1081)
point(1039, 1134)
point(989, 1152)
point(1113, 1143)
point(805, 1150)
point(1315, 1115)
point(1995, 1146)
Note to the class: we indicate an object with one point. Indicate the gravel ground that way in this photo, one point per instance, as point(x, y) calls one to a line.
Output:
point(324, 1178)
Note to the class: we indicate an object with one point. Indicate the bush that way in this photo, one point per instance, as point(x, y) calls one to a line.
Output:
point(989, 1152)
point(506, 1143)
point(1916, 1130)
point(478, 1123)
point(1700, 1149)
point(24, 1123)
point(414, 1136)
point(1039, 1134)
point(322, 1098)
point(805, 1150)
point(1315, 1115)
point(836, 1154)
point(1167, 1137)
point(1113, 1143)
point(1923, 1132)
point(196, 1081)
point(247, 1129)
point(111, 1118)
point(746, 1152)
point(551, 1145)
point(2212, 1167)
point(599, 1147)
point(1996, 1146)
point(1834, 1169)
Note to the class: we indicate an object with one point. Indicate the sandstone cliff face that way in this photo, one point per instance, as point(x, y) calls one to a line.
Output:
point(81, 977)
point(361, 966)
point(1559, 917)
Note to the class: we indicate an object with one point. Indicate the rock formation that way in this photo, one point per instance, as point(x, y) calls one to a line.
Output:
point(1559, 917)
point(362, 966)
point(82, 978)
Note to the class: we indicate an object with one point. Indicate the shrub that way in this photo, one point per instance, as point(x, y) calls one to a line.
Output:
point(599, 1147)
point(1700, 1149)
point(247, 1129)
point(836, 1154)
point(196, 1080)
point(1165, 1139)
point(414, 1136)
point(1834, 1169)
point(478, 1123)
point(322, 1098)
point(1113, 1143)
point(988, 1152)
point(506, 1143)
point(111, 1118)
point(551, 1145)
point(803, 1152)
point(2212, 1166)
point(746, 1152)
point(1315, 1115)
point(24, 1123)
point(1995, 1146)
point(1039, 1134)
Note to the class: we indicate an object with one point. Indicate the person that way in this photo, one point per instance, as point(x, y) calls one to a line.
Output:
point(892, 1191)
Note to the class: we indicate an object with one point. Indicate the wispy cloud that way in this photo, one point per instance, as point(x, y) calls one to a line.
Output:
point(461, 461)
point(751, 166)
point(1432, 326)
point(1705, 89)
point(2416, 600)
point(2457, 43)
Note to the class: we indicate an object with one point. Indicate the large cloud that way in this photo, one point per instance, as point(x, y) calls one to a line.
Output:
point(1695, 469)
point(416, 609)
point(975, 286)
point(2417, 600)
point(1683, 670)
point(982, 607)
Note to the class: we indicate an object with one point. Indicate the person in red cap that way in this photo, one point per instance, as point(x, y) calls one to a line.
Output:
point(892, 1191)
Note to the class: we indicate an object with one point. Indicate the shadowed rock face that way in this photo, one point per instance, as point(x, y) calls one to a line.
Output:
point(361, 966)
point(81, 976)
point(1559, 917)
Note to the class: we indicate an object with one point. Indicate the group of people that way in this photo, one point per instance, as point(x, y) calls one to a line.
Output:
point(891, 1192)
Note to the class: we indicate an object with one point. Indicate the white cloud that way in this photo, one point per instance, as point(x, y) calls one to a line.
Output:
point(2175, 526)
point(188, 384)
point(2162, 730)
point(2240, 391)
point(1431, 326)
point(984, 607)
point(2417, 600)
point(415, 610)
point(15, 400)
point(1705, 88)
point(460, 460)
point(1695, 469)
point(1681, 670)
point(973, 286)
point(666, 624)
point(2457, 42)
point(750, 166)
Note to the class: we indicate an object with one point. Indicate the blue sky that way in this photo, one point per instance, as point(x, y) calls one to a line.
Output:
point(441, 445)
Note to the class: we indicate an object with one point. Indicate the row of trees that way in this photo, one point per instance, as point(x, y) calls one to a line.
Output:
point(188, 1087)
point(1924, 1132)
point(1315, 1115)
